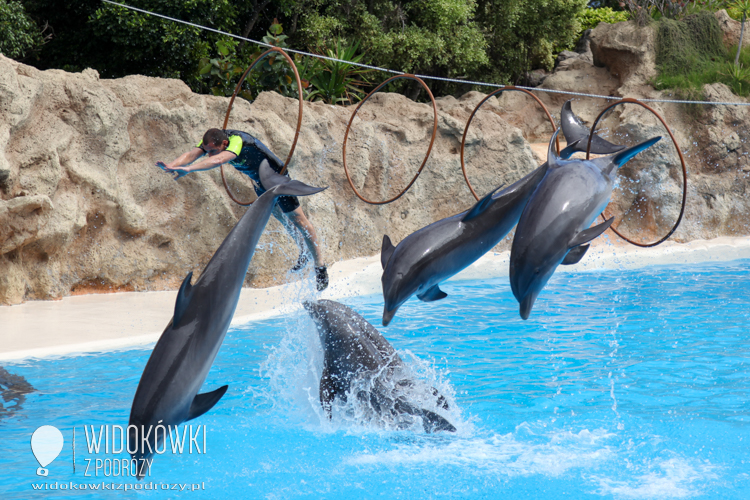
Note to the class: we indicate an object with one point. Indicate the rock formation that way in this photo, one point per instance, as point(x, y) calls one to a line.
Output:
point(84, 209)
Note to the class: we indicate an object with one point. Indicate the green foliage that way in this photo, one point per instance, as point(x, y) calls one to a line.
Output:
point(690, 54)
point(118, 42)
point(19, 35)
point(337, 82)
point(436, 37)
point(590, 18)
point(523, 34)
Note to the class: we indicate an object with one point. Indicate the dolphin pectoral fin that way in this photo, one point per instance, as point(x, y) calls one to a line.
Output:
point(284, 185)
point(432, 294)
point(575, 255)
point(480, 206)
point(204, 402)
point(386, 250)
point(183, 298)
point(589, 234)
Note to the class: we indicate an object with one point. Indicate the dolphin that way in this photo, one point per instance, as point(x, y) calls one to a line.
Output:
point(357, 355)
point(167, 393)
point(431, 255)
point(554, 226)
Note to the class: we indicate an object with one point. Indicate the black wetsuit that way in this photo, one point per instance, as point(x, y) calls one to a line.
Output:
point(250, 154)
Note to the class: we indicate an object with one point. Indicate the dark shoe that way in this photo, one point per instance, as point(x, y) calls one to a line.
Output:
point(301, 262)
point(321, 278)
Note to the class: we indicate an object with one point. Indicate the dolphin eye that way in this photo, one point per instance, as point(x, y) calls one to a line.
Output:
point(537, 270)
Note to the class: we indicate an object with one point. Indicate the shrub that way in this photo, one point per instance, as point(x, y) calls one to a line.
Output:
point(19, 35)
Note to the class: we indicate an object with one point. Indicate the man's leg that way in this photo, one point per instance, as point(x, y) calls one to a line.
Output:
point(301, 222)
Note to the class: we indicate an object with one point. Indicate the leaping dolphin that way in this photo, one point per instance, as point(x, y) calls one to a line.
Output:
point(355, 352)
point(431, 255)
point(554, 226)
point(167, 394)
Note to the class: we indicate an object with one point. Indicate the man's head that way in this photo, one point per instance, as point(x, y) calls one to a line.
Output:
point(215, 141)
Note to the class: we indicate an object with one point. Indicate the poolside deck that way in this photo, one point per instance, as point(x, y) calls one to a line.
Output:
point(90, 323)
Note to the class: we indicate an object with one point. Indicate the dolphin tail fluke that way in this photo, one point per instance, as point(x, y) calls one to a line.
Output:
point(589, 234)
point(283, 185)
point(609, 163)
point(204, 402)
point(183, 298)
point(432, 294)
point(386, 250)
point(575, 255)
point(577, 136)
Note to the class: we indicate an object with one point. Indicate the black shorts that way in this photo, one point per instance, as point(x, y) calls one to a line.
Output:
point(286, 203)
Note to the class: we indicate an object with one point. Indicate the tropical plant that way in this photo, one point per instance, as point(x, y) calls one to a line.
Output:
point(337, 81)
point(742, 6)
point(19, 35)
point(737, 75)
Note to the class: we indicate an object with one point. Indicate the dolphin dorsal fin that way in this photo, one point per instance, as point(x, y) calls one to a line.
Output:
point(577, 136)
point(283, 184)
point(204, 402)
point(589, 234)
point(183, 298)
point(481, 205)
point(552, 156)
point(386, 251)
point(575, 255)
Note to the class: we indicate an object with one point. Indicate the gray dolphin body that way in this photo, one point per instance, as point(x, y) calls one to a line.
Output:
point(167, 394)
point(431, 255)
point(354, 351)
point(554, 226)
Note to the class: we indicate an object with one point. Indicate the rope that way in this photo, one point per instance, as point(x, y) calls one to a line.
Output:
point(423, 77)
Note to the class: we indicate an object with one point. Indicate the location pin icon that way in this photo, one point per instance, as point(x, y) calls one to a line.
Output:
point(46, 443)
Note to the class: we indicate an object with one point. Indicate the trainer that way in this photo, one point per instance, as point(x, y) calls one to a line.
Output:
point(245, 153)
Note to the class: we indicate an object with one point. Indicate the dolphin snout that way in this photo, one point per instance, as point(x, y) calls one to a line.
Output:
point(388, 316)
point(526, 304)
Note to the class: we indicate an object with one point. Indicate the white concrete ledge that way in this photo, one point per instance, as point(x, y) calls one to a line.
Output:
point(95, 323)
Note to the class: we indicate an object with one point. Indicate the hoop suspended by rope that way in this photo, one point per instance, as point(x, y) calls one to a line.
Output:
point(471, 117)
point(629, 100)
point(429, 149)
point(299, 114)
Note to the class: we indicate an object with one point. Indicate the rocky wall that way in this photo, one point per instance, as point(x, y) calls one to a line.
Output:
point(83, 208)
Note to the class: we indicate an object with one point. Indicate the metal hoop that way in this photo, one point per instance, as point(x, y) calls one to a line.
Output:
point(466, 129)
point(429, 149)
point(629, 100)
point(299, 114)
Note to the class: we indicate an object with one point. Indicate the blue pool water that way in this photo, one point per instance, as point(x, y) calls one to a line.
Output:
point(622, 385)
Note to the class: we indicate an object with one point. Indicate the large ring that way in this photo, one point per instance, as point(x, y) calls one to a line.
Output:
point(299, 115)
point(429, 149)
point(466, 129)
point(629, 100)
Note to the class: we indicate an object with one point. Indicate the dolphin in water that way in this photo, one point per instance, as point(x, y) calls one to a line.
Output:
point(554, 226)
point(359, 360)
point(431, 255)
point(167, 394)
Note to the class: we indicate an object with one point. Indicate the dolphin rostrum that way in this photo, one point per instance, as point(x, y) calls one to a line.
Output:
point(167, 394)
point(359, 361)
point(431, 255)
point(554, 226)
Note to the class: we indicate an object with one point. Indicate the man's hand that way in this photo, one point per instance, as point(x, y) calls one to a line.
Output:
point(178, 171)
